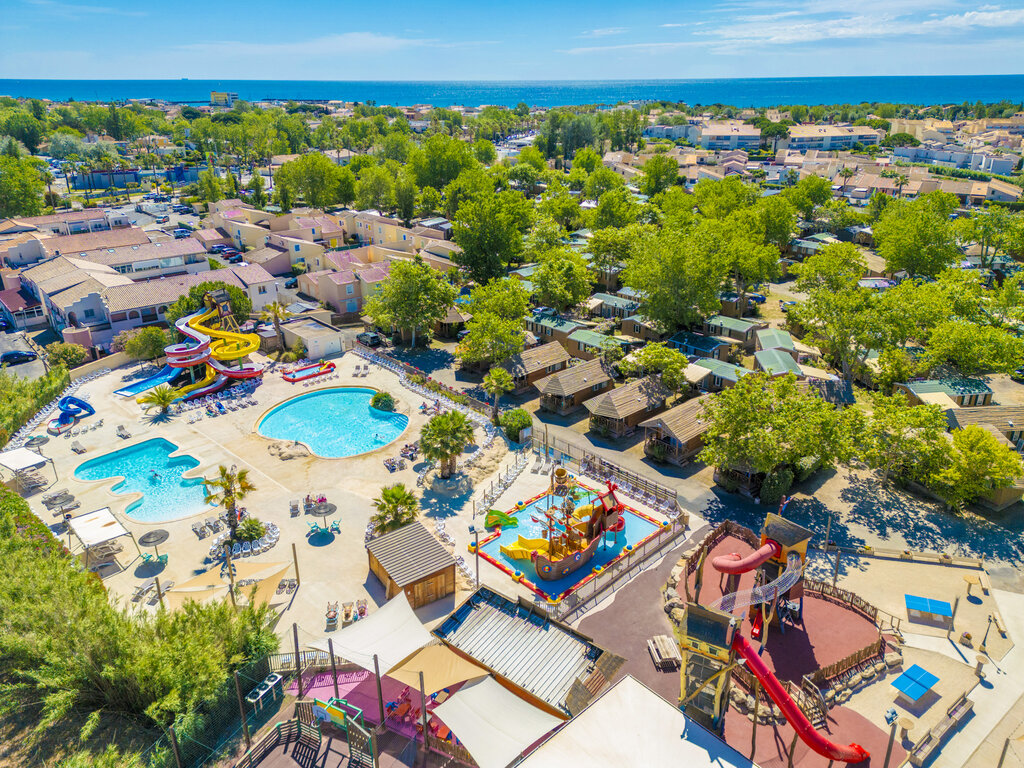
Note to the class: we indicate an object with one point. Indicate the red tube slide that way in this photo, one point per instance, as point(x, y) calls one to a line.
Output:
point(733, 563)
point(853, 753)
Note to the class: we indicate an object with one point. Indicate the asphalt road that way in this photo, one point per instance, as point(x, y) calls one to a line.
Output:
point(16, 340)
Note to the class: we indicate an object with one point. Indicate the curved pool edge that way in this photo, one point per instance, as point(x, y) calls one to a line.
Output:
point(313, 454)
point(128, 498)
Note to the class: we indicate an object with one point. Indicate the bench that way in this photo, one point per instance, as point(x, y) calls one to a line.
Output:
point(998, 621)
point(986, 585)
point(664, 652)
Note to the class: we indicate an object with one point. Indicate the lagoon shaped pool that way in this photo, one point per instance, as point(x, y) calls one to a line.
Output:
point(149, 469)
point(334, 423)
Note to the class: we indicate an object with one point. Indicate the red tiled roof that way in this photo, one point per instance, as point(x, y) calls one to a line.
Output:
point(16, 300)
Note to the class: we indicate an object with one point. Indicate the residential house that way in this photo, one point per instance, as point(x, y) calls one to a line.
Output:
point(1006, 420)
point(776, 363)
point(723, 375)
point(587, 344)
point(454, 321)
point(618, 411)
point(607, 305)
point(565, 391)
point(18, 307)
point(532, 365)
point(698, 345)
point(36, 248)
point(548, 326)
point(776, 338)
point(211, 237)
point(828, 137)
point(67, 222)
point(148, 260)
point(677, 434)
point(952, 392)
point(642, 328)
point(733, 328)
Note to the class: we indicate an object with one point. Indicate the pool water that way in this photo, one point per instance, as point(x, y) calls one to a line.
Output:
point(149, 469)
point(637, 528)
point(334, 423)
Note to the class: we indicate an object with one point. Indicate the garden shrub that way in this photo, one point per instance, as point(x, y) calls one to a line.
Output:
point(383, 401)
point(514, 422)
point(775, 485)
point(250, 529)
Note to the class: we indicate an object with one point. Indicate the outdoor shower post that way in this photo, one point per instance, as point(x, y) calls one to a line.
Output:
point(334, 667)
point(380, 694)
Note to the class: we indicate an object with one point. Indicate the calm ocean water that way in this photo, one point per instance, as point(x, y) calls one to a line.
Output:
point(743, 93)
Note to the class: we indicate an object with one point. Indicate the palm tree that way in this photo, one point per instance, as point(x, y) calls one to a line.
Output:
point(847, 173)
point(161, 397)
point(901, 182)
point(497, 382)
point(396, 506)
point(444, 437)
point(276, 312)
point(227, 489)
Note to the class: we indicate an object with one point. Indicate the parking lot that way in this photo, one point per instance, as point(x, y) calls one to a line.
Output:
point(16, 340)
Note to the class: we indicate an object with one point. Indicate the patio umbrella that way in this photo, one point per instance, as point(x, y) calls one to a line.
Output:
point(154, 538)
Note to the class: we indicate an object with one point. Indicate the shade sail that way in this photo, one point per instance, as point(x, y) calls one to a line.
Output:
point(494, 724)
point(441, 668)
point(653, 733)
point(94, 528)
point(19, 459)
point(266, 588)
point(393, 632)
point(208, 585)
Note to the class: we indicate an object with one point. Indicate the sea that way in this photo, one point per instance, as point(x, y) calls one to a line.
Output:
point(748, 92)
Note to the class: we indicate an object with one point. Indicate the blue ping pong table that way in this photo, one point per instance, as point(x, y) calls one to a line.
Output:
point(923, 607)
point(915, 683)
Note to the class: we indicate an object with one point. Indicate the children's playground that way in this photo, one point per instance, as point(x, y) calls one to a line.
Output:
point(559, 539)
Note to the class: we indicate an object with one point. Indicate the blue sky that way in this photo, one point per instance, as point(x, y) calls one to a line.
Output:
point(529, 39)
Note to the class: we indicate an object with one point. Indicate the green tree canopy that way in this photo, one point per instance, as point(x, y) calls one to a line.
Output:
point(489, 229)
point(660, 173)
point(562, 279)
point(762, 424)
point(412, 298)
point(976, 464)
point(901, 440)
point(916, 236)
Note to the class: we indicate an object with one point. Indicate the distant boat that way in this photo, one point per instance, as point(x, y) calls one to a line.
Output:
point(184, 78)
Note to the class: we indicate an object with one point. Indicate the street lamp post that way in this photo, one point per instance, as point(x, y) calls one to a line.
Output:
point(476, 551)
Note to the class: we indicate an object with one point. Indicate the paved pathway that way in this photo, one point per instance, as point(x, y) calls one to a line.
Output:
point(996, 695)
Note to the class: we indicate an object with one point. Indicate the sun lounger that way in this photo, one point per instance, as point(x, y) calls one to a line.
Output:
point(122, 432)
point(236, 550)
point(77, 447)
point(69, 507)
point(142, 589)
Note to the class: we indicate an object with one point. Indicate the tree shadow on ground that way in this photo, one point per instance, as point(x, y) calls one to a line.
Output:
point(925, 525)
point(428, 360)
point(160, 417)
point(438, 506)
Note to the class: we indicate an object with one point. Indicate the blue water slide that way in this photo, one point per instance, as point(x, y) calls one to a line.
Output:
point(165, 375)
point(71, 410)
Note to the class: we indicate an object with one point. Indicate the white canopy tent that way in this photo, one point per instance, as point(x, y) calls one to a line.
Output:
point(392, 632)
point(495, 725)
point(97, 527)
point(18, 460)
point(647, 731)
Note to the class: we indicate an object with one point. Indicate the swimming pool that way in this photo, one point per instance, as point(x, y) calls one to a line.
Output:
point(334, 423)
point(149, 469)
point(636, 529)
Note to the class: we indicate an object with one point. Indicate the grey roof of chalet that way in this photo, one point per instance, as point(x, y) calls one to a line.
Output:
point(539, 656)
point(410, 553)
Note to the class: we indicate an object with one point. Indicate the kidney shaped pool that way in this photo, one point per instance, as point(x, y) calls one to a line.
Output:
point(334, 423)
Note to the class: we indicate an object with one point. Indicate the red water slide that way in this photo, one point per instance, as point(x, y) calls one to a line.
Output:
point(852, 753)
point(734, 563)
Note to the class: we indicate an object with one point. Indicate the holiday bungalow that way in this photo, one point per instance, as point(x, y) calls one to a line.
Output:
point(587, 344)
point(565, 391)
point(698, 345)
point(677, 434)
point(733, 328)
point(532, 365)
point(641, 327)
point(619, 411)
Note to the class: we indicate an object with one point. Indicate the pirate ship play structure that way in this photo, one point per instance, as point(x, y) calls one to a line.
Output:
point(572, 534)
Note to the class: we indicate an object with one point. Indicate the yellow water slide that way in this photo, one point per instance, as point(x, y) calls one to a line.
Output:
point(226, 345)
point(522, 548)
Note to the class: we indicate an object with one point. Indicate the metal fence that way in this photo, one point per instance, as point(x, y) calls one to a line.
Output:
point(592, 591)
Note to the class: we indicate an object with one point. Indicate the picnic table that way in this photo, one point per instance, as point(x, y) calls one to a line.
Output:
point(914, 683)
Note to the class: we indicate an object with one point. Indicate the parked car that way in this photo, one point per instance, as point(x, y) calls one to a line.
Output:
point(291, 282)
point(219, 248)
point(181, 233)
point(15, 356)
point(162, 219)
point(4, 325)
point(370, 339)
point(234, 258)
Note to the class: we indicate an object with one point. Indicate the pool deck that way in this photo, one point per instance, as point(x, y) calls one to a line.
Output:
point(332, 567)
